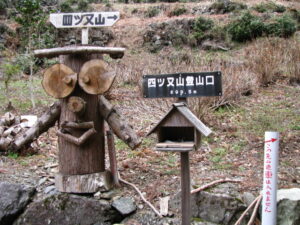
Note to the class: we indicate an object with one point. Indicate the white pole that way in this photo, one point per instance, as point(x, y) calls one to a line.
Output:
point(269, 203)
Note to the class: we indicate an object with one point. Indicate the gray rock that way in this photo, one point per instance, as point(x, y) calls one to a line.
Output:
point(173, 32)
point(108, 195)
point(248, 198)
point(146, 217)
point(69, 209)
point(124, 205)
point(203, 223)
point(13, 200)
point(222, 205)
point(288, 206)
point(51, 190)
point(211, 45)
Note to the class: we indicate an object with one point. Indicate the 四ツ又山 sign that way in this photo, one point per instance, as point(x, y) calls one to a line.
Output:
point(183, 85)
point(89, 19)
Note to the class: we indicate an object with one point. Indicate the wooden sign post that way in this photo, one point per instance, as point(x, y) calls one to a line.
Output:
point(180, 130)
point(78, 81)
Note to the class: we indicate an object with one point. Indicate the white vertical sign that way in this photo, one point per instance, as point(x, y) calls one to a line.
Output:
point(269, 203)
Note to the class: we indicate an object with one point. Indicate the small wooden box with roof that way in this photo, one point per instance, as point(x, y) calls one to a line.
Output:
point(179, 130)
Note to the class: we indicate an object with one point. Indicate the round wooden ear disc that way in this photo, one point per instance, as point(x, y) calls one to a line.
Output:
point(94, 78)
point(59, 81)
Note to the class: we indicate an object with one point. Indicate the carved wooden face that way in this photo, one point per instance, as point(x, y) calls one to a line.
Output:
point(59, 80)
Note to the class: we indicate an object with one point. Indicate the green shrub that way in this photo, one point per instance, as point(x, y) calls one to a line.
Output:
point(200, 26)
point(222, 6)
point(269, 7)
point(295, 14)
point(178, 38)
point(152, 12)
point(218, 33)
point(66, 7)
point(246, 27)
point(283, 26)
point(178, 11)
point(83, 6)
point(3, 5)
point(134, 11)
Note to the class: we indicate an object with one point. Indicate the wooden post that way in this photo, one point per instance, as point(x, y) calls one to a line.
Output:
point(185, 183)
point(112, 157)
point(89, 157)
point(85, 36)
point(185, 188)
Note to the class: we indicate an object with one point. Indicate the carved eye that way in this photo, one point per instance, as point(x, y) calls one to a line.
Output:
point(59, 81)
point(94, 77)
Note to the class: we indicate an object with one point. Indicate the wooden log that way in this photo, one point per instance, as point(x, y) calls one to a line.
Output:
point(14, 130)
point(54, 52)
point(43, 123)
point(84, 125)
point(118, 123)
point(5, 143)
point(59, 81)
point(89, 157)
point(77, 141)
point(76, 105)
point(1, 130)
point(86, 183)
point(112, 157)
point(9, 119)
point(94, 77)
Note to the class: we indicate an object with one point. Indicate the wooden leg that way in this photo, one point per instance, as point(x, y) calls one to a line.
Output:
point(112, 157)
point(185, 188)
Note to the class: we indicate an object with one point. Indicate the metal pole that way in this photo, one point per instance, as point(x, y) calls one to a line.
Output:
point(185, 189)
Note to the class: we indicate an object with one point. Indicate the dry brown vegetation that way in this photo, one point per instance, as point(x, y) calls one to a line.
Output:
point(260, 63)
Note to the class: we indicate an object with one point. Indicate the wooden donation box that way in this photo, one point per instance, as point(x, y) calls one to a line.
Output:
point(179, 130)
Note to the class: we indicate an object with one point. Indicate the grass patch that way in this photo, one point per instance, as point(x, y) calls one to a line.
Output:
point(13, 155)
point(19, 95)
point(218, 156)
point(270, 118)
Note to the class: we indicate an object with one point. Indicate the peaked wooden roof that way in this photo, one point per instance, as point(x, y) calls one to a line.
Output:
point(184, 110)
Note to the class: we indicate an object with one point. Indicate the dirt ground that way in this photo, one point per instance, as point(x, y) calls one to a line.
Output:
point(234, 150)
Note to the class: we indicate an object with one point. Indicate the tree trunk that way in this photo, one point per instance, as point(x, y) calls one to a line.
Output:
point(89, 157)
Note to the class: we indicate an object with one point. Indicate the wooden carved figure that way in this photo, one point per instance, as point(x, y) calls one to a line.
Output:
point(79, 81)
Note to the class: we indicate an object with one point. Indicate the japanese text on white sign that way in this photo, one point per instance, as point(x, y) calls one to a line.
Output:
point(90, 19)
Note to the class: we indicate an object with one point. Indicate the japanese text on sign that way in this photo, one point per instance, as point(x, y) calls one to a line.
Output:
point(91, 19)
point(268, 179)
point(269, 202)
point(182, 85)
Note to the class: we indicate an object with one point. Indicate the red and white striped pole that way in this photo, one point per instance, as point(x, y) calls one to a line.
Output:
point(269, 202)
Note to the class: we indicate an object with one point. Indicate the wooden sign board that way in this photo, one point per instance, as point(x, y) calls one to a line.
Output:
point(182, 85)
point(89, 19)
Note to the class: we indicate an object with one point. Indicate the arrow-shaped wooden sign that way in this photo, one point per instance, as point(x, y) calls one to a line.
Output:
point(89, 19)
